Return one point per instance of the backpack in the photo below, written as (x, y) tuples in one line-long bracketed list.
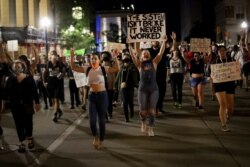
[(104, 74)]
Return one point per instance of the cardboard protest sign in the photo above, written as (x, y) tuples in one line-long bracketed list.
[(80, 79), (114, 45), (225, 72), (200, 45), (146, 27)]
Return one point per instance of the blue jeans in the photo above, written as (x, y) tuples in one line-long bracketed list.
[(98, 104)]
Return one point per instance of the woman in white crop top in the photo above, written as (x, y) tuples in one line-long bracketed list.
[(98, 98)]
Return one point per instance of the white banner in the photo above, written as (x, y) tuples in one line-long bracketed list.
[(146, 27), (80, 79), (12, 45), (225, 72)]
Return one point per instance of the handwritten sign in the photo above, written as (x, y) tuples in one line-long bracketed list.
[(114, 45), (80, 79), (146, 27), (200, 45), (225, 72)]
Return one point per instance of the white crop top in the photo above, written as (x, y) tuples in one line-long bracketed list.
[(95, 76)]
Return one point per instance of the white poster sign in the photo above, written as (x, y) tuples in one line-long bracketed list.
[(146, 27), (225, 72), (80, 79), (12, 45)]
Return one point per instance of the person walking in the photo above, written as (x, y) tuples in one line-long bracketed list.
[(197, 77), (98, 97), (21, 91), (52, 75), (148, 92), (224, 91), (176, 68), (126, 81)]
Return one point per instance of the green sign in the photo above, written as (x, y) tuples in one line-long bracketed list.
[(80, 52)]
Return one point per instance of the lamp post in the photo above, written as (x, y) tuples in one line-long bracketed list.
[(45, 22), (244, 25)]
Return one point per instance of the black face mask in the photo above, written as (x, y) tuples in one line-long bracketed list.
[(126, 60), (105, 58)]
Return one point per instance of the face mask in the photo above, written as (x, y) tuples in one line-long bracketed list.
[(17, 70), (126, 60), (105, 58)]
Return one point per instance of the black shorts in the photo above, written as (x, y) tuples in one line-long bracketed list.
[(228, 87), (54, 93)]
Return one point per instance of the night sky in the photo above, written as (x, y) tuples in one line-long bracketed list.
[(148, 6)]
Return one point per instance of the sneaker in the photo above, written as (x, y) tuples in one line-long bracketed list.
[(175, 104), (224, 128), (55, 117), (179, 106), (21, 148), (196, 104), (84, 107), (114, 104), (151, 132), (31, 144), (143, 127), (60, 113)]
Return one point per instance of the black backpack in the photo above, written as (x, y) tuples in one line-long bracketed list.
[(104, 74)]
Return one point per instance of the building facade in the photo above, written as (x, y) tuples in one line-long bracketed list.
[(229, 16), (20, 20)]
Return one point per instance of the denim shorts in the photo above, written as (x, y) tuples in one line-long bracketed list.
[(194, 82)]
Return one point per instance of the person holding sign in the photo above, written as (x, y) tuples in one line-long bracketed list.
[(224, 91), (148, 92), (98, 97)]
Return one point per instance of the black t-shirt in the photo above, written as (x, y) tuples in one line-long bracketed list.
[(53, 72), (197, 68)]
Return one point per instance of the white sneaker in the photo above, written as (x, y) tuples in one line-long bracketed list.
[(143, 127), (151, 131), (224, 128)]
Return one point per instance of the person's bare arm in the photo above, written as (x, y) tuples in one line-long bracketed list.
[(73, 66), (134, 57)]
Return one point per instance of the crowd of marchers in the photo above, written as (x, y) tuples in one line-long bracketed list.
[(113, 76)]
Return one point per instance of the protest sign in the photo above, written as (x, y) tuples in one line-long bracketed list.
[(146, 27), (80, 79), (12, 45), (114, 45), (225, 72), (200, 45)]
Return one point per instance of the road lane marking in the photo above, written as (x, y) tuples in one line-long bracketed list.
[(54, 145)]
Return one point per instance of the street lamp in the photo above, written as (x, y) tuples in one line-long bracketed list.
[(244, 24), (45, 22)]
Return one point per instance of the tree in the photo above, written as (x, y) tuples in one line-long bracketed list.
[(76, 37)]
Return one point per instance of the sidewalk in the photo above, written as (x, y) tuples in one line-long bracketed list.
[(183, 137)]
